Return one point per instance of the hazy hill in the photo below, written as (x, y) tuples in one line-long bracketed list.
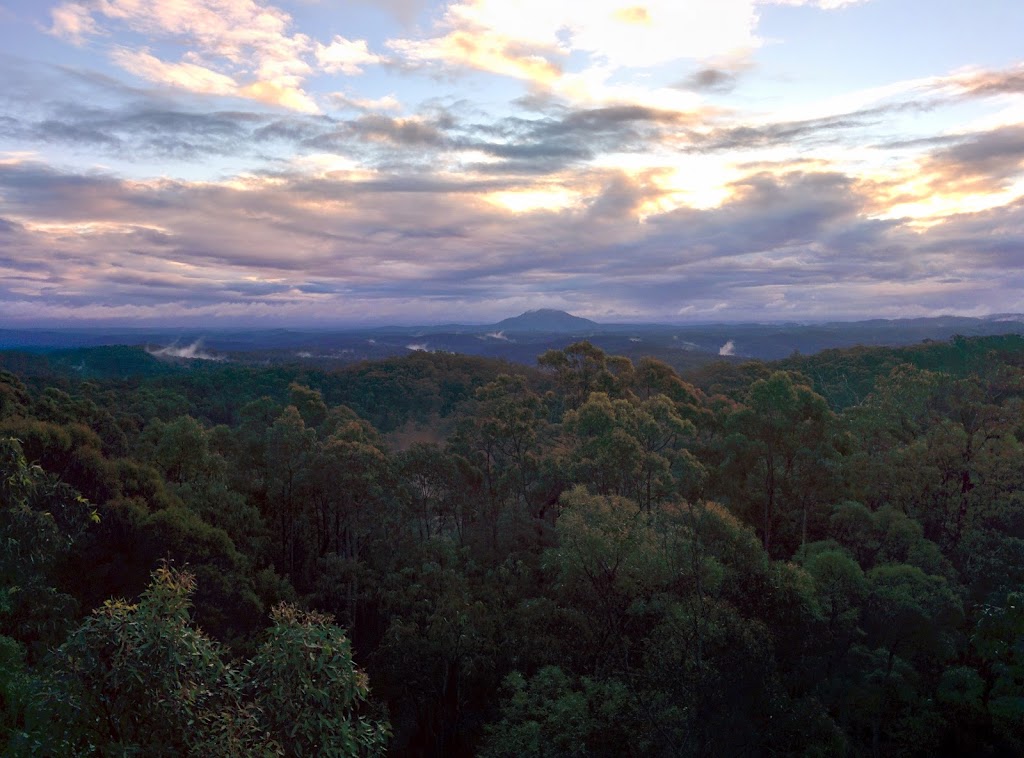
[(547, 320)]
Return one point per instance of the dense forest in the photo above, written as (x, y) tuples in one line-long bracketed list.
[(441, 555)]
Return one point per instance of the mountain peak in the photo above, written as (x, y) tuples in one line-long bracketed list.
[(546, 320)]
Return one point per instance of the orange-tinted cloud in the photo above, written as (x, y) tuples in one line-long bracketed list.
[(238, 47)]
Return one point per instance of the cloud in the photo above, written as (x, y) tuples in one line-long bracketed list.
[(142, 127), (779, 246), (822, 4), (532, 40), (486, 50), (283, 95), (344, 101), (596, 52), (710, 80), (748, 137), (964, 173), (991, 158), (570, 136), (404, 210), (188, 76), (400, 131), (238, 47), (345, 56), (985, 83), (74, 22)]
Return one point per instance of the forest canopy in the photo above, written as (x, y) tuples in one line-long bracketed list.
[(441, 555)]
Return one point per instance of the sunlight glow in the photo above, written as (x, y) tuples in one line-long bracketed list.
[(526, 201)]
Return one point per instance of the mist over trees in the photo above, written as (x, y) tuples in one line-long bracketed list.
[(441, 555)]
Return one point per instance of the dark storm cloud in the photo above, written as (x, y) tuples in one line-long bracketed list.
[(620, 198), (715, 80), (828, 130), (153, 132), (530, 146), (993, 157), (780, 242), (320, 288), (52, 130), (609, 120), (93, 111), (992, 239), (37, 189), (565, 136), (290, 130), (939, 141), (768, 213), (373, 128)]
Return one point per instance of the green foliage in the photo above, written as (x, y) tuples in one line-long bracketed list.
[(821, 556), (14, 397), (841, 588), (606, 562), (15, 693), (780, 456), (310, 404), (911, 612), (548, 716), (998, 639), (580, 369), (40, 519), (309, 690), (133, 678), (140, 679), (632, 449)]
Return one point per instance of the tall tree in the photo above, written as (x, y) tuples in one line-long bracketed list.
[(780, 454)]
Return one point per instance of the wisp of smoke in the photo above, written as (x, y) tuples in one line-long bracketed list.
[(190, 351), (729, 348)]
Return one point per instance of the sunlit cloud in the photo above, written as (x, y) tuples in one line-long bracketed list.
[(238, 47), (522, 201), (74, 22), (487, 50), (386, 103), (823, 4), (532, 40), (976, 172), (259, 159), (273, 93), (345, 56), (774, 244), (188, 76)]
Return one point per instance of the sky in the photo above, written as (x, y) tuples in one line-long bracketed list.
[(344, 162)]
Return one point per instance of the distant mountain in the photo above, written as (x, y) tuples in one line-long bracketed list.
[(546, 320)]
